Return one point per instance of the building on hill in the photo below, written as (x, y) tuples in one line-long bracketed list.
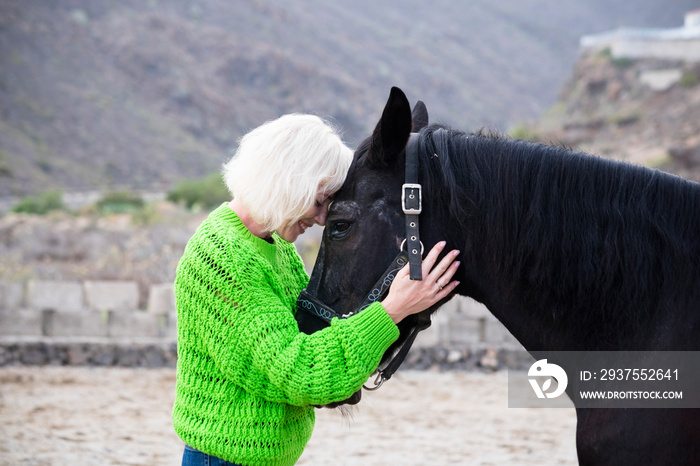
[(682, 43)]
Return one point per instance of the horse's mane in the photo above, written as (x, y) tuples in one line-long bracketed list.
[(568, 227)]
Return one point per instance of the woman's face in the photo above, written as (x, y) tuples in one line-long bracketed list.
[(315, 215)]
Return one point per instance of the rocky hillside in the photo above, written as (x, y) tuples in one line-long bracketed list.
[(94, 94), (142, 93), (615, 108), (645, 111)]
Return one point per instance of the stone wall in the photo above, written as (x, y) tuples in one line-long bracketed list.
[(100, 323), (90, 309), (87, 352)]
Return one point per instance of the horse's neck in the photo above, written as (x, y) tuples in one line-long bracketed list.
[(562, 265), (490, 241)]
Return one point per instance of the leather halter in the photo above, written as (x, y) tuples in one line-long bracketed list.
[(412, 205)]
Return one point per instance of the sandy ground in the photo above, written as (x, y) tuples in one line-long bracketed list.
[(109, 416)]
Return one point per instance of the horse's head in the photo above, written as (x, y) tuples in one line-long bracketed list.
[(365, 225)]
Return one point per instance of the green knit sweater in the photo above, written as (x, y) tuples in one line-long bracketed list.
[(246, 376)]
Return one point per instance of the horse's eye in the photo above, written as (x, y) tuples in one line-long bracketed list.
[(339, 228)]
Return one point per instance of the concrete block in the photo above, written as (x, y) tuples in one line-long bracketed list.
[(463, 332), (161, 298), (74, 324), (452, 306), (56, 295), (473, 309), (130, 324), (11, 295), (428, 337), (433, 335), (168, 330), (20, 322), (495, 332), (112, 295)]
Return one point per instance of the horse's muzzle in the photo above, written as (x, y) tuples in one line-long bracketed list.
[(353, 400)]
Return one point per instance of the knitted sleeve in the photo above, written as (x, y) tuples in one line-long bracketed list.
[(285, 365), (243, 314)]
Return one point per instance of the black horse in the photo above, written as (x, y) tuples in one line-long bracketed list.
[(571, 252)]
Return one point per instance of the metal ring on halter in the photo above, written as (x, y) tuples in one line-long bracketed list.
[(377, 382), (422, 249)]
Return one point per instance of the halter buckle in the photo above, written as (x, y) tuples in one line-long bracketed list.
[(412, 198)]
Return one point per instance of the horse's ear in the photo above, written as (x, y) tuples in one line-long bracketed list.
[(391, 133), (419, 116)]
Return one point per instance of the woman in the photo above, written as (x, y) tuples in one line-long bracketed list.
[(246, 376)]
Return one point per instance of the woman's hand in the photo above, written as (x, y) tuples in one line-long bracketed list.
[(408, 296)]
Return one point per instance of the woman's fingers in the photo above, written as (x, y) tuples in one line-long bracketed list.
[(445, 291), (432, 273), (432, 256), (443, 269), (445, 286), (442, 275)]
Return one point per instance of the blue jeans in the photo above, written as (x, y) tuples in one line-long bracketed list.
[(192, 457)]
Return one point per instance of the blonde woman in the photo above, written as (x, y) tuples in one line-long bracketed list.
[(247, 378)]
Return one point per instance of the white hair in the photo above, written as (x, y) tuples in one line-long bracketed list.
[(280, 166)]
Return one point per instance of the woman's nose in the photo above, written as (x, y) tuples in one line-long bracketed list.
[(320, 218)]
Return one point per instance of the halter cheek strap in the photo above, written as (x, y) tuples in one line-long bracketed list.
[(412, 205)]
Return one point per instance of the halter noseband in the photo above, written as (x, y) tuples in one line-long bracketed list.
[(412, 205)]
